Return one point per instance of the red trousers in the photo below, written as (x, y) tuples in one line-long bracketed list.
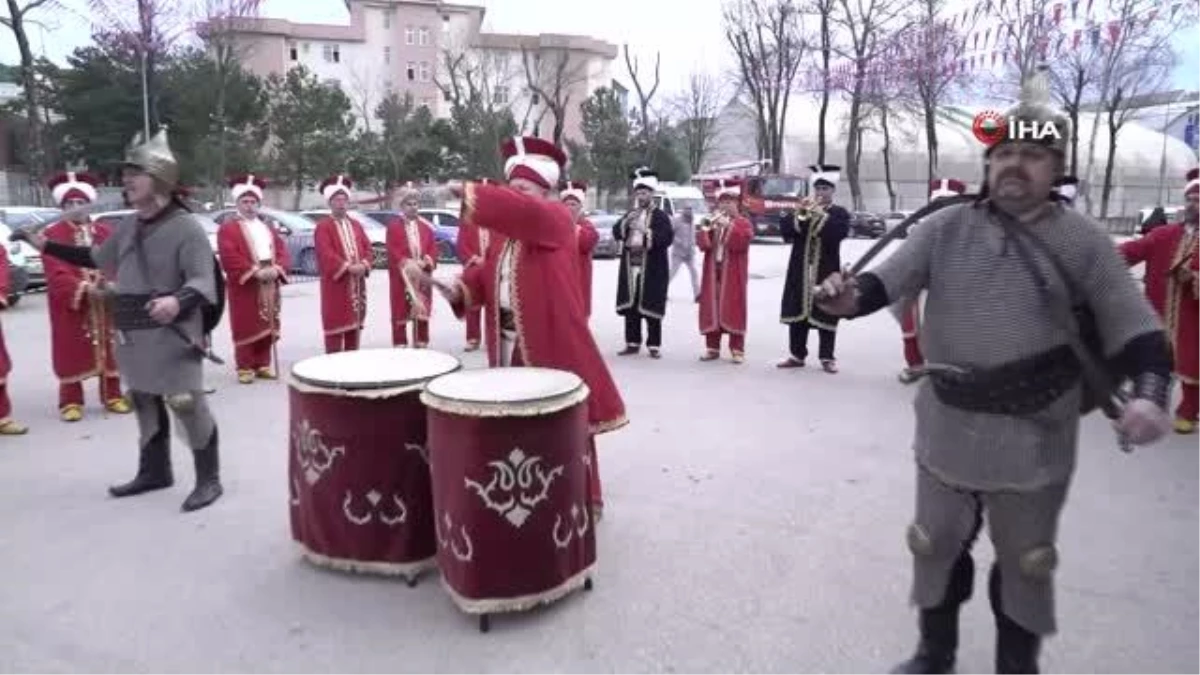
[(737, 343), (1189, 407), (912, 352), (5, 403), (473, 325), (71, 393), (591, 461), (400, 333), (254, 355), (342, 342)]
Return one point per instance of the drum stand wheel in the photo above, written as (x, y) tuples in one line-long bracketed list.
[(412, 581), (587, 584), (485, 623)]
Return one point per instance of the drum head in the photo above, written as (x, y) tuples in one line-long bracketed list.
[(374, 368), (504, 385)]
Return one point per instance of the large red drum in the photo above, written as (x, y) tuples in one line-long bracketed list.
[(361, 498), (507, 448)]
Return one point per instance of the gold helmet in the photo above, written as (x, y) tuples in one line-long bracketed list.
[(154, 157), (1035, 117)]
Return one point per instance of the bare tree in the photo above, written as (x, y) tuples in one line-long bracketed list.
[(1024, 29), (1073, 77), (697, 107), (364, 92), (865, 23), (219, 29), (18, 15), (766, 39), (822, 51), (553, 76), (645, 97), (927, 54)]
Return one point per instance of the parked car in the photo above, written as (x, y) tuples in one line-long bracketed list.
[(375, 230), (445, 229), (606, 245), (296, 231), (111, 218), (865, 225), (894, 218), (18, 266), (22, 256)]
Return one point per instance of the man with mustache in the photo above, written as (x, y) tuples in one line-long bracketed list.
[(997, 428), (1169, 252)]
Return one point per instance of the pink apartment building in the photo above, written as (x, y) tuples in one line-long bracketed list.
[(404, 46)]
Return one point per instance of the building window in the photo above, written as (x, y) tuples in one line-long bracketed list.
[(409, 35), (500, 95), (423, 37), (427, 102), (387, 54), (294, 53), (307, 45), (425, 76), (411, 71), (387, 19), (534, 99), (387, 86), (331, 53), (445, 23)]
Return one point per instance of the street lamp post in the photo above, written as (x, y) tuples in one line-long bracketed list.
[(1162, 162), (145, 97)]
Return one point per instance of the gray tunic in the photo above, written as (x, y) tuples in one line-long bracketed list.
[(683, 247), (157, 361), (983, 309)]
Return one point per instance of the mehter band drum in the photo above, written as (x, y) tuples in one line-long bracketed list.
[(514, 522), (361, 498)]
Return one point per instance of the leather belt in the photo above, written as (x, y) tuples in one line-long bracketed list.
[(1019, 387), (130, 313)]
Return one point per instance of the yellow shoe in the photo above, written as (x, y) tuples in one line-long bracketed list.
[(738, 357), (265, 374), (245, 376), (119, 406), (10, 428), (71, 412), (1183, 426)]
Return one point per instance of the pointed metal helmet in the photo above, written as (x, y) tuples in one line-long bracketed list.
[(1036, 110), (154, 157)]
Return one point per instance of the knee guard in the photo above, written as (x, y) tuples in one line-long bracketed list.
[(181, 403), (1039, 563)]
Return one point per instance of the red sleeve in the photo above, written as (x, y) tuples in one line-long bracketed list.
[(428, 244), (239, 268), (588, 237), (64, 281), (703, 239), (283, 258), (1136, 251), (3, 277), (533, 220), (740, 236), (329, 251), (466, 245), (365, 251)]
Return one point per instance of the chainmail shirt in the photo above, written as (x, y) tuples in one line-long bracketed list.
[(984, 309)]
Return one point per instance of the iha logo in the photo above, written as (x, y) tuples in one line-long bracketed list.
[(990, 127)]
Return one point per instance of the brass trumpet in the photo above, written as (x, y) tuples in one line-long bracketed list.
[(711, 222), (811, 212)]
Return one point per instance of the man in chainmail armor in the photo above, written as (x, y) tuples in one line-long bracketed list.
[(165, 277), (997, 416)]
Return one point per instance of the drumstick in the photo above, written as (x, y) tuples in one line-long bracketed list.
[(413, 278)]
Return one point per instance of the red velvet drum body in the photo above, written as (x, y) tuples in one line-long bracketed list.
[(507, 448), (361, 497)]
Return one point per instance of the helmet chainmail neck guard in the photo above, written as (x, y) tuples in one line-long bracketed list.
[(1036, 112), (154, 157)]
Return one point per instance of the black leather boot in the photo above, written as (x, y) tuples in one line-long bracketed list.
[(208, 476), (1017, 649), (938, 647), (154, 460)]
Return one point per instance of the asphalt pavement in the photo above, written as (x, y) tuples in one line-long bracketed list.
[(754, 522)]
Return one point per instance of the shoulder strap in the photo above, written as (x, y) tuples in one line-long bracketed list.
[(1062, 310)]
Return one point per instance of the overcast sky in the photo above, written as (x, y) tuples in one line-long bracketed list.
[(647, 25)]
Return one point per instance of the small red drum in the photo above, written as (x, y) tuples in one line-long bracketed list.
[(510, 489), (361, 498)]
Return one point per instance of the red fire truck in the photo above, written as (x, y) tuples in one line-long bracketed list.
[(766, 197)]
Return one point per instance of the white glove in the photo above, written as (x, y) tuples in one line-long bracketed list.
[(1143, 422)]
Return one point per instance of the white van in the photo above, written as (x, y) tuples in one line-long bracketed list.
[(672, 198)]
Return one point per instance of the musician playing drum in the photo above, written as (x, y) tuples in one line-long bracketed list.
[(529, 289)]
